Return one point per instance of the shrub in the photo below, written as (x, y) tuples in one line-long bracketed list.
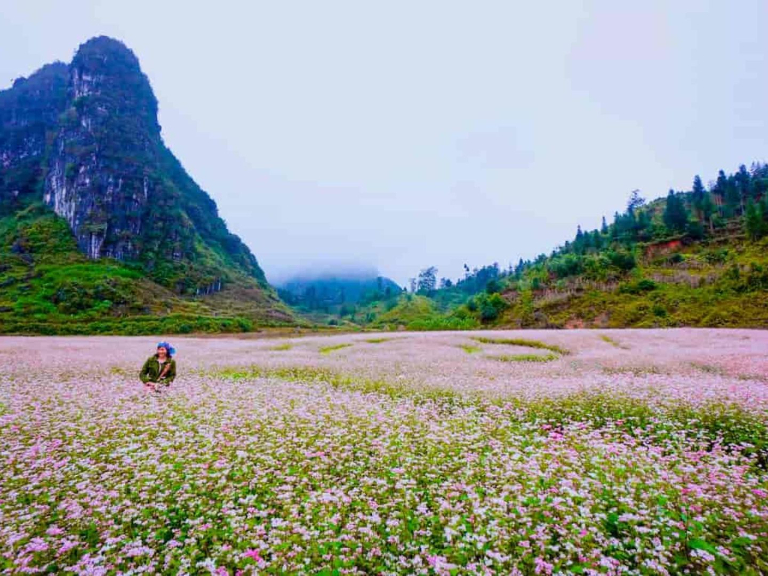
[(624, 261), (641, 286), (566, 265), (659, 310)]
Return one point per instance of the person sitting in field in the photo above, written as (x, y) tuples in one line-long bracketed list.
[(159, 369)]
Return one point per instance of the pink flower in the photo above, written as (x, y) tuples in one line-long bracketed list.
[(253, 554), (37, 545), (66, 546), (543, 567)]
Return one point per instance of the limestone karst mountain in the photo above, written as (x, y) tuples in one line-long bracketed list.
[(81, 144)]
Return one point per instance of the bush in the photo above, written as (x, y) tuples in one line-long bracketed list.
[(639, 287), (676, 258), (493, 286), (490, 307), (624, 261), (566, 265), (717, 257), (695, 230)]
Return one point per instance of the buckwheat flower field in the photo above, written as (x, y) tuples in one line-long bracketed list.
[(586, 452)]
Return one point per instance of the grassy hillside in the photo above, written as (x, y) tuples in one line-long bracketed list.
[(697, 258), (47, 286), (699, 285), (720, 282)]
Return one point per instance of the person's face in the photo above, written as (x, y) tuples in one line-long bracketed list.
[(162, 352)]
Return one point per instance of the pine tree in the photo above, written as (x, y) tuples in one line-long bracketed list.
[(675, 214), (698, 195), (743, 185), (597, 238), (643, 221), (615, 230), (732, 197), (604, 227), (635, 201), (707, 211), (578, 242), (764, 209), (753, 221), (719, 190)]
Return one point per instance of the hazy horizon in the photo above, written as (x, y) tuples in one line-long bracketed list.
[(401, 136)]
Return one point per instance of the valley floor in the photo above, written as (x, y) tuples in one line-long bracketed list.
[(594, 452)]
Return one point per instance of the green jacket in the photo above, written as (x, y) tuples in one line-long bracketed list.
[(151, 370)]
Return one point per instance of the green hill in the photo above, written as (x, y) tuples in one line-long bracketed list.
[(694, 258)]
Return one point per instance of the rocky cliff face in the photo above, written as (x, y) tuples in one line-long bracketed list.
[(84, 139), (104, 153), (28, 113)]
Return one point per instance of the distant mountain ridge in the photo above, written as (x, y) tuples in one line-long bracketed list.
[(339, 292), (82, 141), (329, 288)]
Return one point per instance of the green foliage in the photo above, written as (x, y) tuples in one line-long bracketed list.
[(417, 312), (130, 326), (487, 307), (755, 221), (622, 260), (566, 265), (675, 214)]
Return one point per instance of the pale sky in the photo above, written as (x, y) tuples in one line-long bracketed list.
[(407, 134)]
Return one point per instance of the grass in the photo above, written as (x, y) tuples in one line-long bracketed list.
[(469, 349), (613, 342), (377, 340), (526, 357), (329, 349), (522, 342), (280, 347)]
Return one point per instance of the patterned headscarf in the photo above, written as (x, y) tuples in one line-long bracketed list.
[(170, 349)]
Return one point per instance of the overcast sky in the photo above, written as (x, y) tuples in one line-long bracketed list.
[(406, 134)]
